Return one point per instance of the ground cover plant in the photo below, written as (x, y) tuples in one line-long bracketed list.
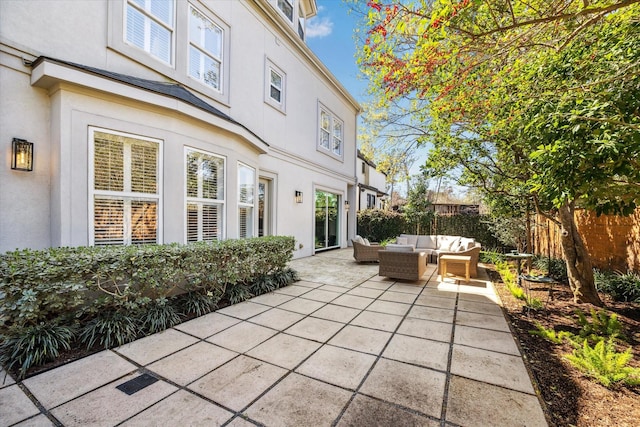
[(77, 300), (584, 359)]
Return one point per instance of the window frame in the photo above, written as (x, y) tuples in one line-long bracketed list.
[(269, 68), (125, 195), (291, 3), (242, 204), (203, 51), (201, 200), (149, 16), (333, 119)]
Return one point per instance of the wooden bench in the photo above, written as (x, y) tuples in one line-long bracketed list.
[(455, 259)]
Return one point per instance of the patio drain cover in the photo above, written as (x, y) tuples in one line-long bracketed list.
[(137, 384)]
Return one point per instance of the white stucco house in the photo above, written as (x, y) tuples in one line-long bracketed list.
[(371, 184), (171, 121)]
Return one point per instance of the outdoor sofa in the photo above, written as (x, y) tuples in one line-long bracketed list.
[(437, 245), (365, 251)]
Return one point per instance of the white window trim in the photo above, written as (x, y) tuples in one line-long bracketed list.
[(222, 77), (188, 199), (178, 71), (171, 28), (93, 192), (332, 118), (293, 11), (280, 106), (248, 205)]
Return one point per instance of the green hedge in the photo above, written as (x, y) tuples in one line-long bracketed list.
[(111, 295), (378, 225)]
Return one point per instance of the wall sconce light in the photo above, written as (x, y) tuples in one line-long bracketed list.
[(346, 205), (298, 196), (21, 155)]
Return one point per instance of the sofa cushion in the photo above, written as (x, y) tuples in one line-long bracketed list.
[(467, 243), (358, 239), (392, 247), (367, 242), (402, 241), (426, 242), (412, 239)]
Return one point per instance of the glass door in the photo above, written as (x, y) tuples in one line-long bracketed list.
[(264, 207), (327, 224)]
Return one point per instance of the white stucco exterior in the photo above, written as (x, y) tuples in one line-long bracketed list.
[(54, 92)]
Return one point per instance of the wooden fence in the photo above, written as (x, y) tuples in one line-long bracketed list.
[(612, 241)]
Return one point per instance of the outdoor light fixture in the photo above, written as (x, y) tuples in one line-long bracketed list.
[(346, 205), (21, 155), (298, 196)]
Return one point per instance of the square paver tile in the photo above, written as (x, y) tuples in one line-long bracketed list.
[(237, 383), (301, 305), (181, 408), (156, 346), (207, 325), (383, 284), (430, 300), (374, 320), (191, 363), (361, 339), (5, 379), (315, 329), (480, 307), (284, 350), (240, 422), (431, 313), (485, 297), (293, 290), (110, 406), (334, 288), (321, 295), (420, 328), (242, 337), (243, 310), (276, 319), (408, 288), (389, 307), (487, 339), (299, 401), (494, 368), (477, 320), (420, 389), (474, 403), (272, 299), (433, 291), (337, 313), (39, 421), (365, 411), (338, 366), (308, 284), (352, 301), (15, 406), (418, 351), (69, 381), (362, 291), (395, 296)]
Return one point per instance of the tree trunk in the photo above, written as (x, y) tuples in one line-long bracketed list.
[(579, 267)]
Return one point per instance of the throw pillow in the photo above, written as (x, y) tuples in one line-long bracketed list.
[(402, 241), (358, 239), (367, 242)]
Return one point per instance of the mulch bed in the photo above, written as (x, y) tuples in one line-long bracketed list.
[(570, 398)]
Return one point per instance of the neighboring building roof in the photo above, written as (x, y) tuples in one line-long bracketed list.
[(172, 90), (367, 161), (370, 188)]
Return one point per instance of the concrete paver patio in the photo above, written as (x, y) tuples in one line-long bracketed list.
[(343, 347)]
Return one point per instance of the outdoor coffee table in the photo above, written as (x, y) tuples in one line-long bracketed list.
[(455, 259)]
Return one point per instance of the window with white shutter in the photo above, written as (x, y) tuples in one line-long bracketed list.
[(205, 196), (150, 26), (246, 200), (125, 196)]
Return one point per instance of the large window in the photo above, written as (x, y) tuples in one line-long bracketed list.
[(205, 196), (246, 200), (331, 133), (150, 26), (125, 194), (205, 49)]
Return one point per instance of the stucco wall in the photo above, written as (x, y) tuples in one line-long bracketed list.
[(612, 241)]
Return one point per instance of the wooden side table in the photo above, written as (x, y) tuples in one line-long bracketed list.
[(455, 259)]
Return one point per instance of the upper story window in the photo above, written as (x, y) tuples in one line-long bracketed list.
[(286, 7), (301, 22), (150, 26), (205, 49), (124, 178), (331, 133), (275, 86)]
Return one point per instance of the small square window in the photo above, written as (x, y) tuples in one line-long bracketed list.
[(275, 86)]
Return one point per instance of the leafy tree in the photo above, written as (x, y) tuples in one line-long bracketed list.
[(536, 101)]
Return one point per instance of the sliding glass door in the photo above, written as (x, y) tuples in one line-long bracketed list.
[(327, 220)]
